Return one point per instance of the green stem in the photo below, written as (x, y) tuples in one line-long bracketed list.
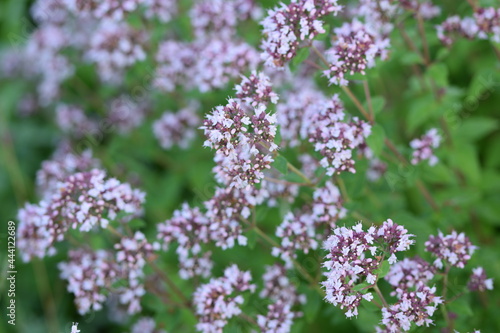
[(379, 293), (443, 305)]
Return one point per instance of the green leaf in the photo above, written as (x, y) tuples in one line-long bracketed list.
[(461, 307), (301, 55), (442, 53), (136, 224), (378, 103), (324, 36), (251, 238), (465, 158), (376, 139), (439, 73), (281, 164), (313, 305), (421, 110), (411, 58), (361, 287), (383, 269), (476, 128), (278, 138)]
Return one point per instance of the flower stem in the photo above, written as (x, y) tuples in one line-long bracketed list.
[(170, 284), (356, 102), (443, 305), (369, 100), (299, 267), (379, 293)]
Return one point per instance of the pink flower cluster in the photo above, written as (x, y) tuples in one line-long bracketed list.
[(485, 24), (177, 128), (454, 249), (146, 325), (354, 255), (114, 47), (354, 51), (81, 201), (226, 209), (202, 64), (220, 299), (220, 18), (91, 274), (256, 90), (478, 280), (283, 296), (309, 115), (243, 137), (412, 307), (190, 229), (416, 301), (423, 147), (63, 164), (288, 27)]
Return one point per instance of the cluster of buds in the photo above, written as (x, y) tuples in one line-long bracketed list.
[(219, 300), (378, 16), (290, 112), (354, 51), (43, 56), (423, 147), (454, 249), (354, 255), (279, 318), (278, 287), (177, 128), (287, 27), (277, 190), (91, 274)]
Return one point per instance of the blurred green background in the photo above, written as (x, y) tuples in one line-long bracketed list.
[(466, 182)]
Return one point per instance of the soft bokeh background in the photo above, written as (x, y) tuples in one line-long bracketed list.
[(466, 182)]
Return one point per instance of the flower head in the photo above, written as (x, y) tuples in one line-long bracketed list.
[(455, 249), (423, 147), (478, 280)]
